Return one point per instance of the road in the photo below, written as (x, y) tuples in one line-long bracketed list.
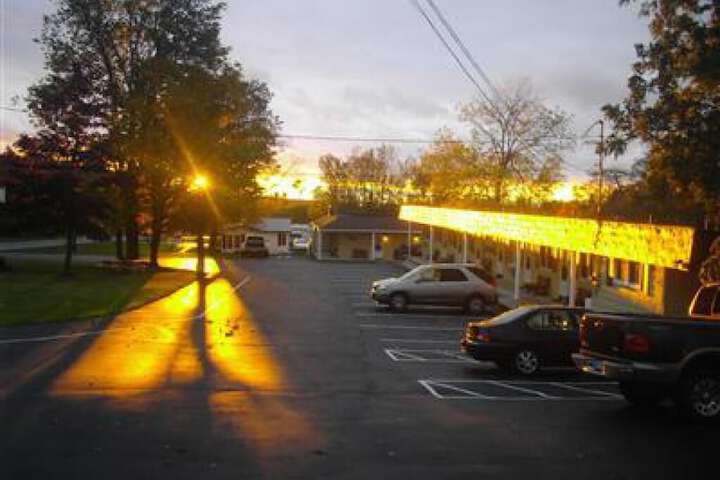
[(283, 369)]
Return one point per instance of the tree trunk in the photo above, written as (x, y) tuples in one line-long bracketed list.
[(119, 253), (155, 236), (200, 256), (213, 241), (69, 241), (132, 240)]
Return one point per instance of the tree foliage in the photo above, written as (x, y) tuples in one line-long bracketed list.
[(673, 102), (517, 139)]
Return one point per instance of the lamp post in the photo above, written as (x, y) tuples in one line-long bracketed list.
[(200, 185)]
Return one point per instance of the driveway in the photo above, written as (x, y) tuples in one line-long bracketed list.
[(282, 368)]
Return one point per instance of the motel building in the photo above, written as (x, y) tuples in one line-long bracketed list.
[(615, 266), (364, 238)]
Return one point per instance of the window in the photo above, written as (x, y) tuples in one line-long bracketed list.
[(451, 275), (617, 269), (633, 273), (481, 274), (552, 320), (282, 239), (704, 301)]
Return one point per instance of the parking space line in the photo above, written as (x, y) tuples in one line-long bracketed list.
[(590, 390), (416, 316), (433, 386), (364, 304), (425, 356), (521, 389), (429, 386)]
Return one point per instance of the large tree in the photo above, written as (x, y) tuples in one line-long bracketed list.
[(517, 138), (97, 53), (673, 103)]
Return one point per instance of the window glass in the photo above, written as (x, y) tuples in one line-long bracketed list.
[(481, 274), (451, 275), (553, 320), (704, 301)]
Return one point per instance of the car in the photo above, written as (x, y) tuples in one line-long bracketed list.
[(448, 284), (300, 244), (655, 357), (254, 246), (525, 339)]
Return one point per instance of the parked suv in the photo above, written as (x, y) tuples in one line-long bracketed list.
[(254, 246), (446, 284)]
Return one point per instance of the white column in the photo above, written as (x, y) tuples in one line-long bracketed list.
[(573, 279), (372, 246), (518, 270), (409, 241), (319, 244), (430, 257), (465, 251)]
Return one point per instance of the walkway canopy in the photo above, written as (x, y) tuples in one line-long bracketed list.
[(662, 245)]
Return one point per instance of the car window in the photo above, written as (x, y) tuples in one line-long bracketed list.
[(704, 301), (552, 320), (451, 275), (481, 274)]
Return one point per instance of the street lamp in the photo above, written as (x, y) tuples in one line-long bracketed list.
[(200, 184)]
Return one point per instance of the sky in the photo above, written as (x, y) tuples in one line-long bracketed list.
[(375, 68)]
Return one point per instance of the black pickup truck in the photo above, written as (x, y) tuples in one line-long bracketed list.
[(655, 357)]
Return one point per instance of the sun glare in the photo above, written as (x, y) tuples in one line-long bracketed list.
[(564, 192)]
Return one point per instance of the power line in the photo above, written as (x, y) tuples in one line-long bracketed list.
[(341, 138), (463, 48), (460, 64)]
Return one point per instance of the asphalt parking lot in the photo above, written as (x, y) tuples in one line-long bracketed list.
[(296, 374)]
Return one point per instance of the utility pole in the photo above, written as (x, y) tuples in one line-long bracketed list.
[(601, 167)]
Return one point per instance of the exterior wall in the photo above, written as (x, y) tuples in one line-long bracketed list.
[(231, 241), (358, 246)]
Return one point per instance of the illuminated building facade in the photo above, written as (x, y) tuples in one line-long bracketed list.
[(619, 265)]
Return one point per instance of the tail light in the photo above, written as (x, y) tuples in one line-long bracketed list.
[(636, 343), (482, 336)]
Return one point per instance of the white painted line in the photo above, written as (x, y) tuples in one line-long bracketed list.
[(412, 340), (521, 389), (417, 355), (409, 327), (364, 304), (399, 356), (466, 393), (584, 390)]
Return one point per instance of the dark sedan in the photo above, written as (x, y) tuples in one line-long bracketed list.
[(525, 339)]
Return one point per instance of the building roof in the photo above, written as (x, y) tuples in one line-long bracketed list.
[(274, 224), (668, 246), (266, 224), (361, 223)]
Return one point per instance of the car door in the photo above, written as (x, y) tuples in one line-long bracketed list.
[(542, 336), (425, 289), (567, 324), (454, 286)]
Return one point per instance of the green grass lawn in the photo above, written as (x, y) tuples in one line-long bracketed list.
[(35, 293)]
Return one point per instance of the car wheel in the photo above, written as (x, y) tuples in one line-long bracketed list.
[(398, 302), (699, 397), (526, 362), (475, 305), (641, 394)]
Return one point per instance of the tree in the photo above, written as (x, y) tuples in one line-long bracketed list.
[(710, 268), (447, 170), (517, 139), (56, 187), (98, 54), (673, 103), (215, 124)]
